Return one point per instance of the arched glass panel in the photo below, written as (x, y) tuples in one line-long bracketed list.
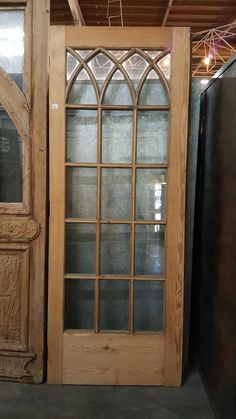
[(118, 91), (118, 53), (12, 44), (153, 92), (11, 160), (153, 54), (135, 67), (72, 63), (100, 66), (82, 91), (83, 52), (164, 65)]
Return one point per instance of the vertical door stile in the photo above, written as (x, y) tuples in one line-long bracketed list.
[(175, 240), (57, 203)]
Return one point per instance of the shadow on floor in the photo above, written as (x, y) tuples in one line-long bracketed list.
[(29, 401)]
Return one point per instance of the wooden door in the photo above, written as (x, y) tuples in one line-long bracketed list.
[(118, 140), (23, 187)]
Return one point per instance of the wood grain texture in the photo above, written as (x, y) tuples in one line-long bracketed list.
[(175, 232), (15, 229), (113, 359), (39, 190), (57, 194), (16, 366), (91, 37), (14, 279)]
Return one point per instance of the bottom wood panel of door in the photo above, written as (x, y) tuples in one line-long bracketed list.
[(113, 359)]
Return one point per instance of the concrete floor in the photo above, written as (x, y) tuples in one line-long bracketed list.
[(90, 402)]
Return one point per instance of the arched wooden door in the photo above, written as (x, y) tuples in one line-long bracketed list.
[(118, 140)]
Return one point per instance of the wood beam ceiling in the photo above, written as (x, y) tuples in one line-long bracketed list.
[(197, 14), (167, 13), (76, 12)]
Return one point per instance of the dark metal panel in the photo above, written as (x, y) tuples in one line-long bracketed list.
[(214, 266)]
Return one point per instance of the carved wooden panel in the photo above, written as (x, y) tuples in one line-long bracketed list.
[(15, 229), (16, 365), (14, 278)]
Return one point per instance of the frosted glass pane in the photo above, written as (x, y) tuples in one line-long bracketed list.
[(114, 305), (164, 65), (118, 92), (12, 44), (82, 91), (152, 136), (148, 305), (72, 63), (118, 54), (100, 66), (79, 304), (153, 53), (115, 249), (135, 67), (150, 194), (82, 136), (81, 192), (116, 193), (80, 248), (117, 131), (11, 161), (149, 250), (83, 52), (153, 92)]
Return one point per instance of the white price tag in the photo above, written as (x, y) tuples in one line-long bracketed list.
[(54, 106)]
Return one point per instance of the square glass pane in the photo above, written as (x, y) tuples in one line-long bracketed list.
[(149, 249), (152, 136), (79, 304), (114, 304), (80, 248), (150, 194), (12, 44), (116, 192), (115, 249), (81, 192), (11, 161), (148, 305), (117, 128), (81, 136)]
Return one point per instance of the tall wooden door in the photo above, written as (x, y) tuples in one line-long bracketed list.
[(118, 139), (23, 156)]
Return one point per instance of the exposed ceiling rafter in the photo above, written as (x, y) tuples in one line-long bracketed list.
[(200, 15), (76, 12), (167, 12)]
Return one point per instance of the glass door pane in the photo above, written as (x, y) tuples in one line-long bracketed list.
[(116, 173), (11, 161)]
